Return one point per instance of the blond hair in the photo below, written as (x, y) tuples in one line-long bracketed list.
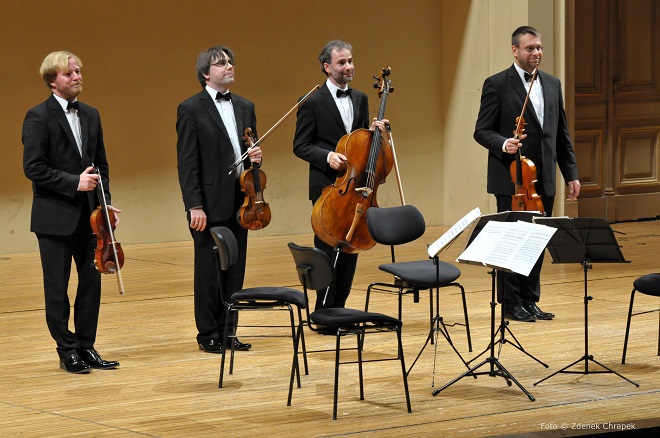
[(54, 62)]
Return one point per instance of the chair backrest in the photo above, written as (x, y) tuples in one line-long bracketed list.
[(226, 246), (395, 225), (313, 265)]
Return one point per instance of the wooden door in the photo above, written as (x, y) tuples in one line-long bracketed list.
[(617, 108)]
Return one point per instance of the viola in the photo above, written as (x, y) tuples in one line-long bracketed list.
[(254, 214), (338, 216), (108, 255), (523, 170)]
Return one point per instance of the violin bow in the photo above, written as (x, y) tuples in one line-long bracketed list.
[(263, 137)]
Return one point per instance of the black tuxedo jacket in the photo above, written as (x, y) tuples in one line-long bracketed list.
[(319, 128), (52, 162), (502, 100), (205, 153)]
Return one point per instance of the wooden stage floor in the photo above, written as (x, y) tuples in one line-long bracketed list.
[(166, 387)]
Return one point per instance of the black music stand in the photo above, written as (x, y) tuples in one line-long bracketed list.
[(584, 241), (496, 368)]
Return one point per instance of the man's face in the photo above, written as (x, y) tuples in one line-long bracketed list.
[(68, 84), (221, 73), (529, 52), (341, 69)]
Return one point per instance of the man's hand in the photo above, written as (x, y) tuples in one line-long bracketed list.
[(88, 180), (197, 219)]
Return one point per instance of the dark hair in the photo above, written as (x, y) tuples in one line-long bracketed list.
[(523, 30), (325, 57), (209, 56)]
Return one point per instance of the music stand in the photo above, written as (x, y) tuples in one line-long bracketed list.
[(584, 241), (496, 368)]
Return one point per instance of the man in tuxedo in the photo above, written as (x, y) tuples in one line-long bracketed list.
[(62, 138), (545, 142), (210, 126), (332, 112)]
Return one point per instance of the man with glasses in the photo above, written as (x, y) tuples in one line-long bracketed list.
[(545, 142), (210, 126)]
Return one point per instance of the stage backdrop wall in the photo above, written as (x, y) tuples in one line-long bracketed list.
[(139, 64)]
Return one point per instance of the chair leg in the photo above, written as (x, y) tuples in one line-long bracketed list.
[(293, 341), (403, 369), (360, 373), (225, 336), (294, 363), (338, 349), (625, 339), (467, 320), (302, 340)]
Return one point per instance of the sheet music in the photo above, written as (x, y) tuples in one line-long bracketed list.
[(452, 233), (514, 246)]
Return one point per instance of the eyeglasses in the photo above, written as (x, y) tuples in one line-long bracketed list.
[(224, 62), (531, 49)]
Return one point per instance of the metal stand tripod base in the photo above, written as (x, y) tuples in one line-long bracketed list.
[(503, 340), (496, 368), (438, 327), (586, 360), (587, 357)]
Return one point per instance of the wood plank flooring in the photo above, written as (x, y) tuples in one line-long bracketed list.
[(166, 387)]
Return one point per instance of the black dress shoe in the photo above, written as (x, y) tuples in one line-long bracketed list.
[(210, 346), (518, 313), (240, 346), (72, 363), (534, 310), (93, 359)]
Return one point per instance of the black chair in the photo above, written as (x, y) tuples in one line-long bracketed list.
[(315, 272), (648, 284), (403, 224), (255, 298)]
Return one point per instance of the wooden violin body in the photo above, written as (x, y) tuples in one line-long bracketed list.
[(338, 217), (104, 255), (254, 214), (523, 174), (108, 255)]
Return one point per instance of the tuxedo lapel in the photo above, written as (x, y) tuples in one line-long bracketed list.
[(209, 106), (356, 111), (84, 130), (329, 102), (521, 92), (56, 110)]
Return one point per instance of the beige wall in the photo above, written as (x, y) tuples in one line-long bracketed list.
[(139, 58)]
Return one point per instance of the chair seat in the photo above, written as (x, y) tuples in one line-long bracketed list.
[(284, 294), (339, 316), (648, 284), (423, 273)]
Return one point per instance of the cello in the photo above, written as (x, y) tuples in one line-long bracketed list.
[(523, 170), (338, 216), (254, 214), (108, 255)]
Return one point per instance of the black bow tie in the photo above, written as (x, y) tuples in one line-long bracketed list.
[(528, 77), (226, 96), (75, 105), (346, 92)]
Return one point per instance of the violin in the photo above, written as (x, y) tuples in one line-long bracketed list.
[(338, 216), (254, 214), (108, 256), (523, 170)]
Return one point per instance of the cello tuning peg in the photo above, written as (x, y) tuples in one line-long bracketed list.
[(376, 85), (391, 90)]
